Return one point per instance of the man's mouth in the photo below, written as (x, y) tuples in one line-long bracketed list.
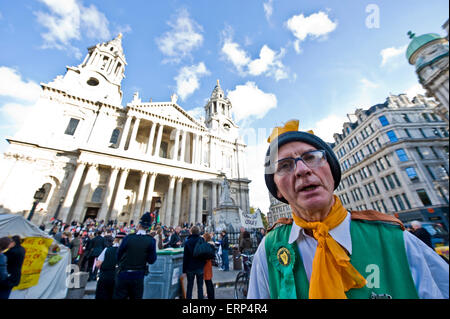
[(308, 188)]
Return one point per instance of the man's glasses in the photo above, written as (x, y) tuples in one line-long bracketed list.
[(312, 159)]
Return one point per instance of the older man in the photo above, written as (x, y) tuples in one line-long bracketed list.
[(326, 252)]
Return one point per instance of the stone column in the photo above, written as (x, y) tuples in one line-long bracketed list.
[(133, 143), (183, 146), (82, 199), (118, 201), (213, 196), (140, 197), (211, 153), (176, 145), (108, 194), (168, 212), (197, 151), (158, 140), (123, 138), (151, 138), (69, 198), (198, 217), (177, 211), (150, 189), (192, 210)]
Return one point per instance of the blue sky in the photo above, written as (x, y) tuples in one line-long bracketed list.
[(277, 60)]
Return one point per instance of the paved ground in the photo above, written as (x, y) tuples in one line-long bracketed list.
[(223, 283)]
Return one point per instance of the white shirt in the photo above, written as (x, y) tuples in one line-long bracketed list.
[(429, 271)]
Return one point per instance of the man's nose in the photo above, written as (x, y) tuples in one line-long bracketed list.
[(301, 168)]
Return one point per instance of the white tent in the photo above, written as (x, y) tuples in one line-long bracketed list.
[(52, 280)]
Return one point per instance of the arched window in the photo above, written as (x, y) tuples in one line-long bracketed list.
[(115, 136), (97, 195)]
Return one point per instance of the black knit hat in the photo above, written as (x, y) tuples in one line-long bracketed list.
[(146, 220), (299, 136)]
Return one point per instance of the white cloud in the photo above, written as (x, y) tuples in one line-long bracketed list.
[(21, 95), (317, 25), (269, 62), (414, 90), (183, 37), (367, 84), (197, 112), (268, 9), (12, 85), (236, 55), (389, 54), (258, 193), (188, 79), (65, 22), (326, 127), (250, 102)]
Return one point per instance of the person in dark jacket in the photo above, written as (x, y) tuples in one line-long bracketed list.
[(4, 275), (107, 264), (15, 255), (95, 248), (225, 250), (134, 254), (193, 267), (175, 239), (421, 233)]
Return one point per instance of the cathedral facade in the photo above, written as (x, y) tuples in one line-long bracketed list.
[(96, 158)]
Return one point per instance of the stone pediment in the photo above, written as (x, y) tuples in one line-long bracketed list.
[(169, 110)]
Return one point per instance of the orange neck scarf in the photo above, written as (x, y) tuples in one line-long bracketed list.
[(332, 273)]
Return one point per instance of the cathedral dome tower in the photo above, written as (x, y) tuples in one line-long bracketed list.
[(218, 113), (100, 75)]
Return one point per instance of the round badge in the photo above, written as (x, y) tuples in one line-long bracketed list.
[(284, 256)]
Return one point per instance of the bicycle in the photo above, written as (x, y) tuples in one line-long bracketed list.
[(243, 278)]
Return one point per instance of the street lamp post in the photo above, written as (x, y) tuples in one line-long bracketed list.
[(38, 196), (61, 200)]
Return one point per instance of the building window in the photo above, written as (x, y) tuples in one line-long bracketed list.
[(424, 197), (392, 137), (444, 132), (430, 172), (396, 180), (400, 202), (426, 117), (436, 132), (443, 195), (444, 171), (384, 183), (406, 200), (419, 152), (402, 155), (434, 152), (383, 120), (390, 181), (72, 126), (393, 204), (422, 132), (412, 174), (97, 195), (407, 133), (406, 118), (115, 136)]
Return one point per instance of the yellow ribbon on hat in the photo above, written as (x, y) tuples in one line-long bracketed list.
[(332, 273), (290, 126)]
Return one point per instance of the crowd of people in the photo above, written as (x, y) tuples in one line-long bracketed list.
[(95, 248)]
